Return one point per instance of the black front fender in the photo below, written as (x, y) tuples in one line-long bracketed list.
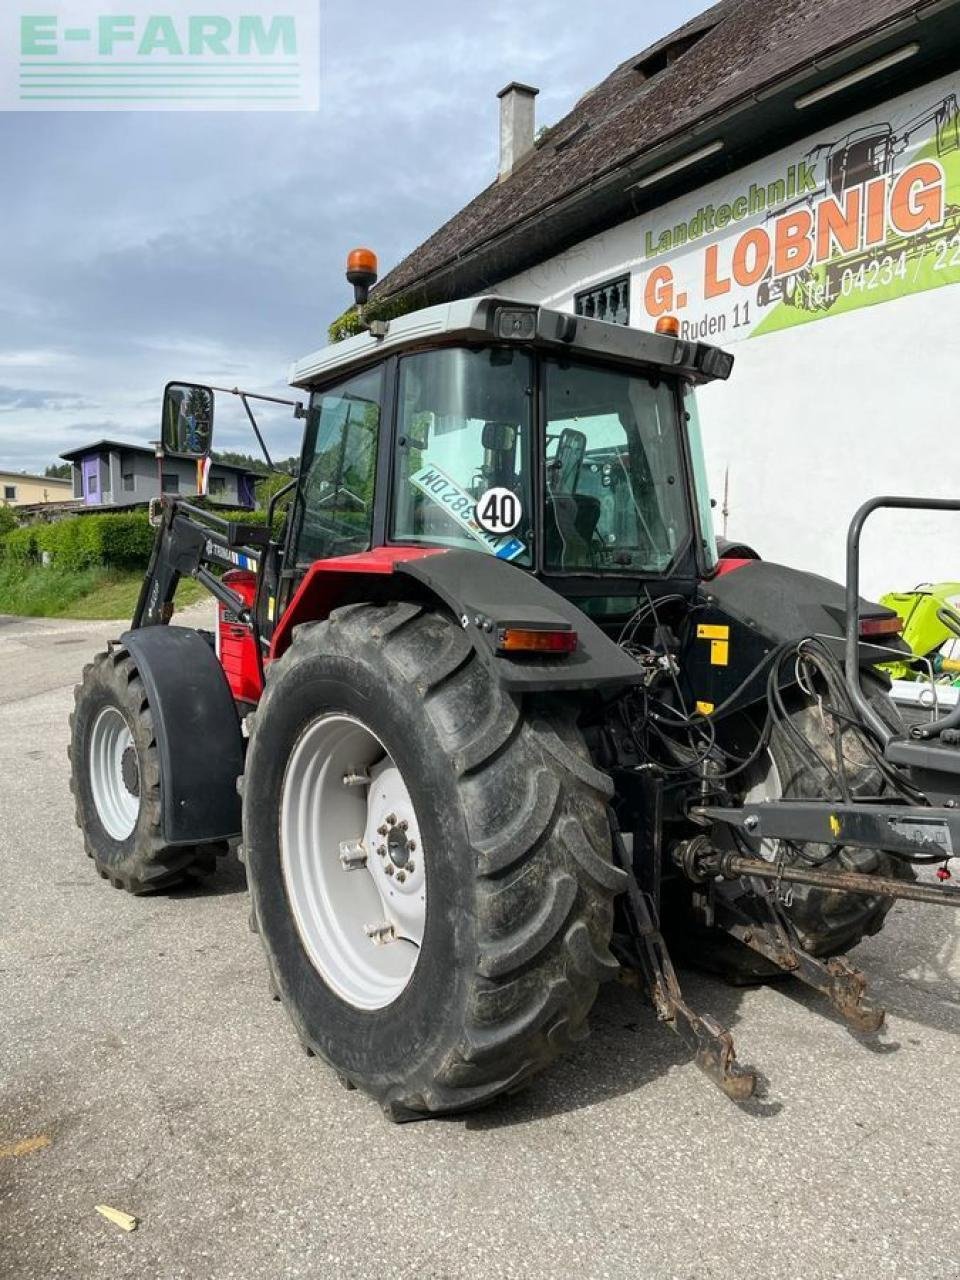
[(197, 729)]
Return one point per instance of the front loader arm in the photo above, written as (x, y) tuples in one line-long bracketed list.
[(188, 540)]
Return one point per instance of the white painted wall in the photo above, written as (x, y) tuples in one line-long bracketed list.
[(819, 417)]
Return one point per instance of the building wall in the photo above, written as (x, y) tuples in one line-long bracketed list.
[(32, 489), (846, 365), (126, 477)]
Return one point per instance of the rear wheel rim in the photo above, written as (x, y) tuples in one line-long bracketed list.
[(766, 786), (352, 861), (114, 773)]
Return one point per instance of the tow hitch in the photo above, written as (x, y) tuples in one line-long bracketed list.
[(758, 920)]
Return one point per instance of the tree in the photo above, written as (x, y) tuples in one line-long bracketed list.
[(59, 471)]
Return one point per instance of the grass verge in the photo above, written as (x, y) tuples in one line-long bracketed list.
[(38, 592)]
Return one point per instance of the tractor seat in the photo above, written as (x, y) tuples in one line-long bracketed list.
[(571, 522)]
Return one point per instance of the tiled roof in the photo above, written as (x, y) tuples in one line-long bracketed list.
[(724, 56)]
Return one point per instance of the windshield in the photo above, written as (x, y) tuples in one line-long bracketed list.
[(462, 470), (614, 478)]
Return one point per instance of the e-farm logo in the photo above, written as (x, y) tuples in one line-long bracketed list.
[(165, 55)]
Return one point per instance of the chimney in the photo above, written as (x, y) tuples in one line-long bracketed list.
[(517, 125)]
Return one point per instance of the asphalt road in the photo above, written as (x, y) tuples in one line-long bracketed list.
[(144, 1065)]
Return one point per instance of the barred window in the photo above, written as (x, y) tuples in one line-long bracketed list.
[(609, 301)]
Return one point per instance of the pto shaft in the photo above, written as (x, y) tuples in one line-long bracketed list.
[(706, 863)]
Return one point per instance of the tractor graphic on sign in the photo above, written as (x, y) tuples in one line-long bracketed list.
[(850, 161)]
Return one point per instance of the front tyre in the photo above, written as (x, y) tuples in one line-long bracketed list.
[(116, 781), (429, 860)]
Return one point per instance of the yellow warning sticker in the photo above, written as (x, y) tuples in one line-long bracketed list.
[(705, 708), (711, 631), (719, 653)]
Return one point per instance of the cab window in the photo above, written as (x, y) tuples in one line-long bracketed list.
[(615, 494), (338, 469), (462, 464)]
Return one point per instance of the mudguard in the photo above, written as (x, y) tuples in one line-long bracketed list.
[(728, 550), (746, 613), (197, 730), (486, 593), (784, 603)]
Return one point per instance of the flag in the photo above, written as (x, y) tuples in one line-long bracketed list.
[(203, 476)]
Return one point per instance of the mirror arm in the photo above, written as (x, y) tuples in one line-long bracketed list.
[(256, 432), (298, 412)]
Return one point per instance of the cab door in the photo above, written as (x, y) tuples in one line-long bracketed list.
[(334, 510)]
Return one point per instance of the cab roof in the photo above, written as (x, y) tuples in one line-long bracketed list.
[(495, 319)]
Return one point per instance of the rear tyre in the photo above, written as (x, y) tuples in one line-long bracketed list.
[(830, 922), (380, 728), (115, 780)]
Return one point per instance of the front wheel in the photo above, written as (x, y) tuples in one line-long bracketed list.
[(116, 781), (429, 860)]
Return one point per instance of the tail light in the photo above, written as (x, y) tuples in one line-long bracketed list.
[(872, 628), (530, 640)]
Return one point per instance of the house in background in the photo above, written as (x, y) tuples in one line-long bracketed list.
[(784, 179), (17, 489), (111, 473)]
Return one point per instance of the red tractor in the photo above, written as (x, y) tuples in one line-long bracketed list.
[(486, 707)]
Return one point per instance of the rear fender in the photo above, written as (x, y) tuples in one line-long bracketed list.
[(482, 592), (747, 612)]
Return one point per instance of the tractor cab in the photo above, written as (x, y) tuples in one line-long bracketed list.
[(564, 445)]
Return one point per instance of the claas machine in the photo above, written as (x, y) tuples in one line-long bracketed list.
[(491, 721)]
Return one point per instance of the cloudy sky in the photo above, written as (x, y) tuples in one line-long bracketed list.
[(139, 247)]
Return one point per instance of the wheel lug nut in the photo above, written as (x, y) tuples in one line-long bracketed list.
[(401, 876), (382, 850), (403, 825), (411, 844), (389, 868), (381, 831), (410, 868), (392, 819)]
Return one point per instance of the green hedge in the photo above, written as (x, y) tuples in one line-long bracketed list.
[(120, 541)]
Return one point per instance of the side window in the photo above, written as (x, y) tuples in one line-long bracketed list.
[(339, 466)]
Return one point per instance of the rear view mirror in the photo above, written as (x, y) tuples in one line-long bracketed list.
[(186, 428), (499, 437), (570, 452)]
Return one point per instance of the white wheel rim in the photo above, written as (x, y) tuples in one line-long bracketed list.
[(114, 773), (352, 861), (767, 786)]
